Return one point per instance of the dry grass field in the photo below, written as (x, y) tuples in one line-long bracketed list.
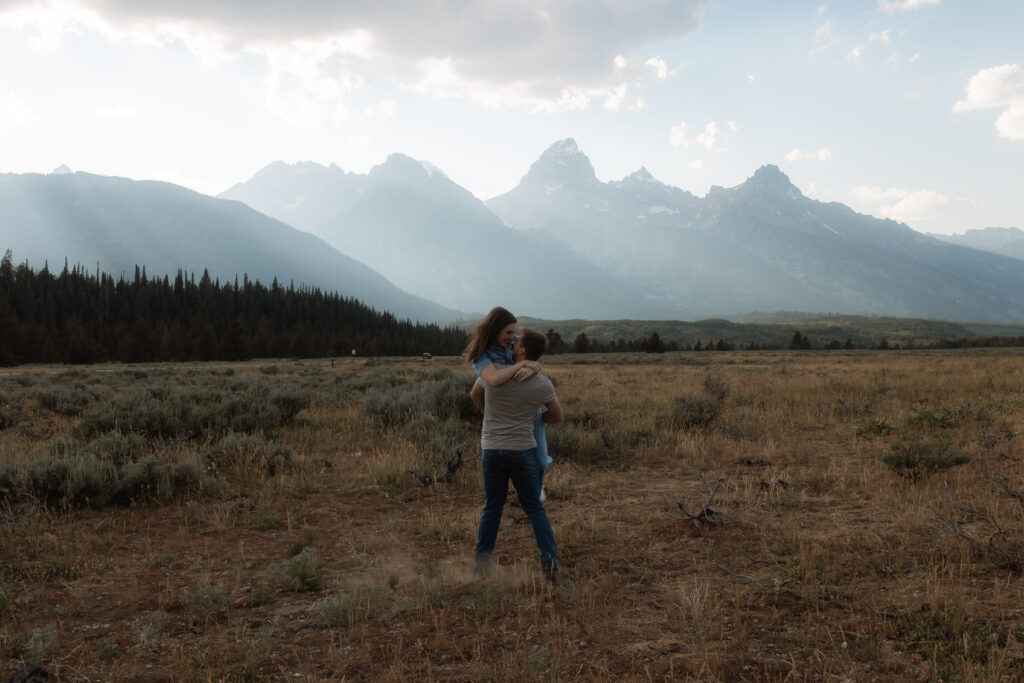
[(770, 516)]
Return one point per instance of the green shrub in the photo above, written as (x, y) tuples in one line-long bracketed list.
[(693, 413), (945, 635), (63, 400), (207, 600), (442, 394), (83, 480), (265, 519), (108, 649), (171, 412), (585, 447), (349, 608), (118, 446), (152, 627), (916, 460), (945, 417), (303, 573), (8, 416), (235, 449), (34, 643), (870, 427)]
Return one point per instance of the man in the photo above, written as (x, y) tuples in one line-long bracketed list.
[(509, 452)]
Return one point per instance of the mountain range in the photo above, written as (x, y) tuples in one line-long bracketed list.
[(635, 248), (115, 224), (1005, 241), (561, 244)]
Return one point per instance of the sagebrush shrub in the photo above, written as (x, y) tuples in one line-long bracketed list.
[(694, 413), (945, 417), (442, 394), (63, 400), (83, 480), (916, 460), (303, 573), (236, 449), (869, 427)]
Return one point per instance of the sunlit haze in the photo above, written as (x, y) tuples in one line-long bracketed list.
[(904, 109)]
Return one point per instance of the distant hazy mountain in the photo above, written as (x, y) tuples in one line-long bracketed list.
[(427, 234), (761, 245), (117, 223), (1005, 241), (561, 196)]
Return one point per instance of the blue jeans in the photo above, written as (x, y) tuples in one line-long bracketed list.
[(523, 469)]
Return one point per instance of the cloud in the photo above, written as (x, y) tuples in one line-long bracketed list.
[(823, 38), (620, 98), (751, 78), (696, 165), (904, 5), (897, 203), (995, 88), (823, 154), (534, 54), (709, 137), (882, 36), (854, 55), (659, 68), (678, 136)]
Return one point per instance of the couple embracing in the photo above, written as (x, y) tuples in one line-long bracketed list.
[(516, 401)]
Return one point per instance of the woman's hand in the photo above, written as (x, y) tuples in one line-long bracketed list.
[(527, 369)]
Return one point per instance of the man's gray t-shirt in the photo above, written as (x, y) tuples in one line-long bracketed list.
[(509, 412)]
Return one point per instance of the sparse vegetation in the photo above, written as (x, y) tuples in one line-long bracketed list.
[(720, 516)]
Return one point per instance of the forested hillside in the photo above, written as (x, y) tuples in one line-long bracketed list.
[(79, 317)]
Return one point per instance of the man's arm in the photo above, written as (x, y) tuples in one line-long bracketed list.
[(553, 413), (494, 375), (477, 395)]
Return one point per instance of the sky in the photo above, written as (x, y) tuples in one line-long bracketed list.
[(904, 109)]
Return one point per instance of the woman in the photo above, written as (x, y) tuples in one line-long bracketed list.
[(493, 344)]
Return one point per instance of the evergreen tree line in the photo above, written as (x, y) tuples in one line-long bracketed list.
[(581, 343), (80, 317)]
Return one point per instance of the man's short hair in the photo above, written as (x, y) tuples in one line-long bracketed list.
[(534, 343)]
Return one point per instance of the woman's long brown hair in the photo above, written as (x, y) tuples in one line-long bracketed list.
[(498, 319)]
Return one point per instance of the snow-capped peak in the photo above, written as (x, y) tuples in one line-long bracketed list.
[(562, 148)]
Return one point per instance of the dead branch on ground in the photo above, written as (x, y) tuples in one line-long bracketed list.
[(706, 515), (999, 546), (778, 586), (451, 466)]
